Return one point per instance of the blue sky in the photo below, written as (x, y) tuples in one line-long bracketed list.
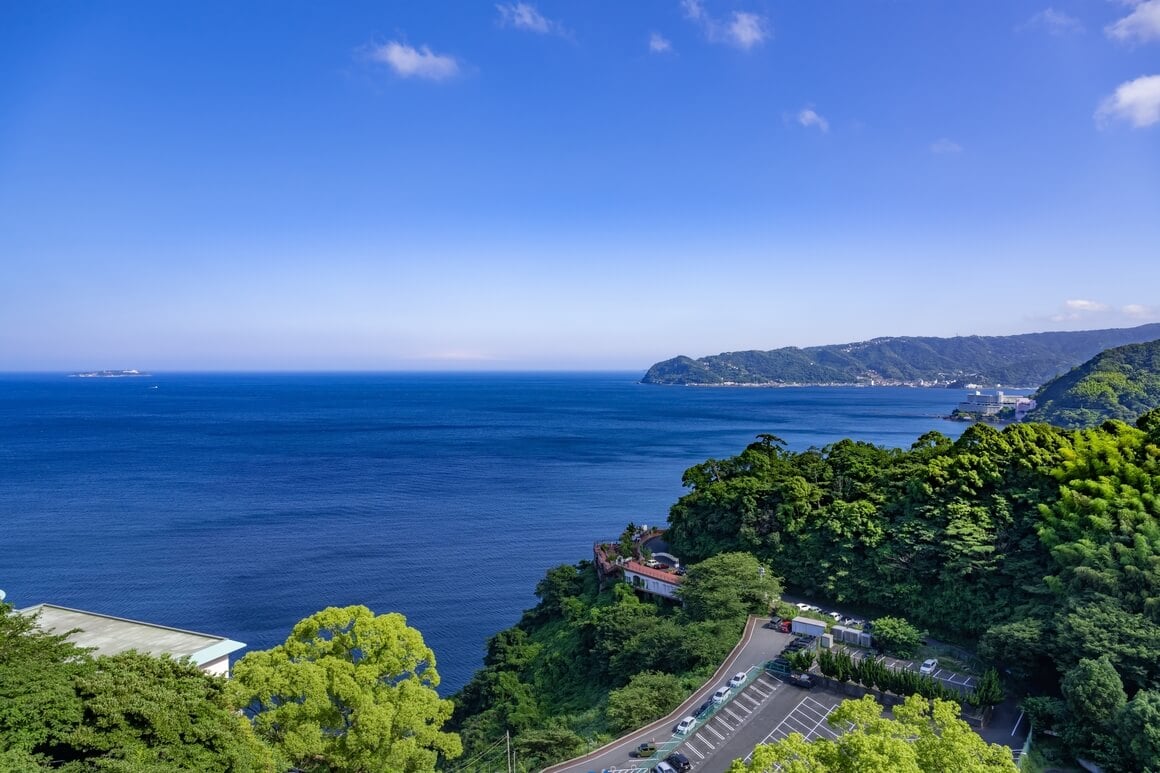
[(566, 185)]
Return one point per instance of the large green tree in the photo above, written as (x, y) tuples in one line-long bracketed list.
[(897, 636), (1137, 727), (923, 737), (152, 714), (729, 586), (1094, 695), (63, 710), (39, 706), (349, 691), (647, 696)]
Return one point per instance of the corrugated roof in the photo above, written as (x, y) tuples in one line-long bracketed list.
[(108, 635)]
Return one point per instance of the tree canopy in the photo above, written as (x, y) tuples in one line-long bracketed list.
[(923, 737), (729, 586), (348, 691), (62, 709)]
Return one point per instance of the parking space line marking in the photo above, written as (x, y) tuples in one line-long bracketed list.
[(751, 700), (694, 750), (706, 742), (719, 736), (736, 718)]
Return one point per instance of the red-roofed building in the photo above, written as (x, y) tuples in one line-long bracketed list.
[(651, 580)]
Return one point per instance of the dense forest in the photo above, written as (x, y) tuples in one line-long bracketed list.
[(348, 692), (1018, 360), (1036, 545), (1121, 383)]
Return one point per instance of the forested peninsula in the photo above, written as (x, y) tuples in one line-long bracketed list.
[(1026, 360), (1036, 546), (1121, 383)]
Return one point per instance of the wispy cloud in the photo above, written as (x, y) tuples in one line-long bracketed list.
[(1137, 102), (410, 62), (1078, 308), (659, 44), (747, 29), (1091, 312), (1140, 26), (1138, 311), (525, 16), (742, 29), (809, 117), (945, 145), (1054, 23)]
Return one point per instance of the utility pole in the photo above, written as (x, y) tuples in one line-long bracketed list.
[(507, 734)]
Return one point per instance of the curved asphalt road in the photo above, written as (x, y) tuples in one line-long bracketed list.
[(757, 645)]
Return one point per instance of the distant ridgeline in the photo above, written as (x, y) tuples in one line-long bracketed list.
[(1020, 360), (1121, 383)]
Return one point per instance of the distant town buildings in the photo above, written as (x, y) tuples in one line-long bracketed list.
[(978, 405)]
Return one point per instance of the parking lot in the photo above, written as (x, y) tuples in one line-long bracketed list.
[(808, 718), (942, 674), (711, 733), (704, 741)]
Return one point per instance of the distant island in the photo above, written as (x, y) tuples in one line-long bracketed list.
[(108, 374), (1027, 360)]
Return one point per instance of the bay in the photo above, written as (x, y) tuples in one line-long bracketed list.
[(236, 504)]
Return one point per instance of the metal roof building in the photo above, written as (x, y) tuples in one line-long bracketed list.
[(108, 635)]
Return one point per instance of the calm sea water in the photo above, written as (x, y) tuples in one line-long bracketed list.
[(238, 504)]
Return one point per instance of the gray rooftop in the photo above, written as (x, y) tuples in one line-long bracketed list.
[(109, 635)]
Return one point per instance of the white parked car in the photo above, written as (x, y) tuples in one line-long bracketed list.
[(685, 725), (837, 617), (664, 767), (804, 607), (721, 694), (928, 666), (738, 679)]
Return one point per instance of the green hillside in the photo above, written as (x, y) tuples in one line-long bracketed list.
[(1019, 360), (1037, 547), (1121, 383)]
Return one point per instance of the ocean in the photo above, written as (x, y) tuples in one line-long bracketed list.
[(237, 504)]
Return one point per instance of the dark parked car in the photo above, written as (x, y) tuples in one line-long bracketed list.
[(804, 681), (645, 750), (679, 762), (703, 710)]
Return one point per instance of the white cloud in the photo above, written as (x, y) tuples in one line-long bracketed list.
[(1137, 102), (659, 44), (1140, 26), (524, 16), (1076, 309), (1089, 312), (1083, 305), (1054, 22), (747, 30), (743, 29), (808, 117), (422, 62), (693, 9), (945, 145), (1138, 311)]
